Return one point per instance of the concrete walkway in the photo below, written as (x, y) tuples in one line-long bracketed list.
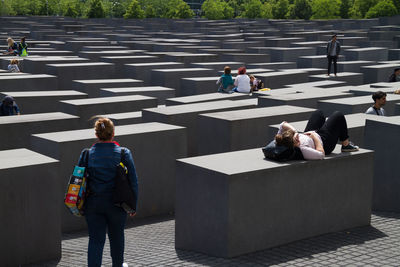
[(151, 243)]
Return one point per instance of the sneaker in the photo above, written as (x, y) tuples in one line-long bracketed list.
[(125, 264), (350, 147)]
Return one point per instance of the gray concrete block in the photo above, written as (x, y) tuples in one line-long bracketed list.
[(37, 65), (246, 57), (394, 54), (28, 82), (279, 79), (378, 73), (353, 66), (120, 61), (16, 130), (273, 65), (357, 104), (68, 72), (348, 77), (42, 101), (318, 84), (186, 115), (367, 53), (205, 98), (160, 92), (142, 71), (188, 58), (295, 200), (309, 99), (30, 216), (124, 118), (152, 144), (319, 61), (172, 77), (381, 135), (280, 54), (217, 66), (96, 55), (86, 108), (242, 129), (92, 87)]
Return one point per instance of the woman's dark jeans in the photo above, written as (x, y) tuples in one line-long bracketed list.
[(101, 216), (330, 130)]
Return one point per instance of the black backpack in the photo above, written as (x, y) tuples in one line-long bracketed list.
[(123, 195), (282, 153)]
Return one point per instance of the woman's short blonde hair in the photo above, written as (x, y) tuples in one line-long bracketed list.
[(10, 41), (104, 129), (14, 61)]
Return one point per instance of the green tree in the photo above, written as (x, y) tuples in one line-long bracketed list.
[(213, 9), (179, 9), (397, 5), (118, 8), (385, 8), (71, 12), (134, 11), (6, 8), (20, 7), (325, 9), (160, 7), (345, 9), (96, 9), (280, 9), (266, 11), (252, 9), (361, 7), (150, 12), (300, 9)]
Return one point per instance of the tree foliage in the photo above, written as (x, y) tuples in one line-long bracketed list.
[(96, 9), (382, 9), (326, 9), (211, 9), (134, 11)]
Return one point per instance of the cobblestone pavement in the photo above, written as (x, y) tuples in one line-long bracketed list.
[(151, 243)]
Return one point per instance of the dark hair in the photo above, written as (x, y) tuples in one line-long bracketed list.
[(396, 69), (378, 95), (8, 100), (227, 70), (242, 70), (104, 128), (333, 36), (285, 138), (23, 39)]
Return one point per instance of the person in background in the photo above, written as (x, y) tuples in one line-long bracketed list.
[(101, 215), (395, 77), (255, 84), (13, 66), (332, 53), (380, 100), (12, 47), (225, 81), (242, 81), (23, 48), (8, 107)]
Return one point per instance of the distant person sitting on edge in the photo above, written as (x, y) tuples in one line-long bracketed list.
[(255, 84), (12, 47), (395, 77), (8, 107), (242, 82), (23, 48), (13, 66), (380, 100), (332, 53), (225, 82)]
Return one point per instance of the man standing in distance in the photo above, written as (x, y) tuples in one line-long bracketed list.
[(332, 53)]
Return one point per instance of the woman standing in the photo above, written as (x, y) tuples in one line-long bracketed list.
[(101, 214)]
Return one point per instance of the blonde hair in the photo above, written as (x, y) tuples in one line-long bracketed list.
[(10, 41), (104, 129), (285, 138), (14, 61)]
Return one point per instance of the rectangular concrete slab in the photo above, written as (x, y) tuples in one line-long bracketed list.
[(252, 204), (160, 92), (30, 216)]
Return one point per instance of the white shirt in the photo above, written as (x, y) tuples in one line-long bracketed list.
[(242, 82), (307, 146)]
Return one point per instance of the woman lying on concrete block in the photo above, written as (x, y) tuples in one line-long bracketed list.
[(320, 136)]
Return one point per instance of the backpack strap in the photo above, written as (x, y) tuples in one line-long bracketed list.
[(376, 110), (123, 155)]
